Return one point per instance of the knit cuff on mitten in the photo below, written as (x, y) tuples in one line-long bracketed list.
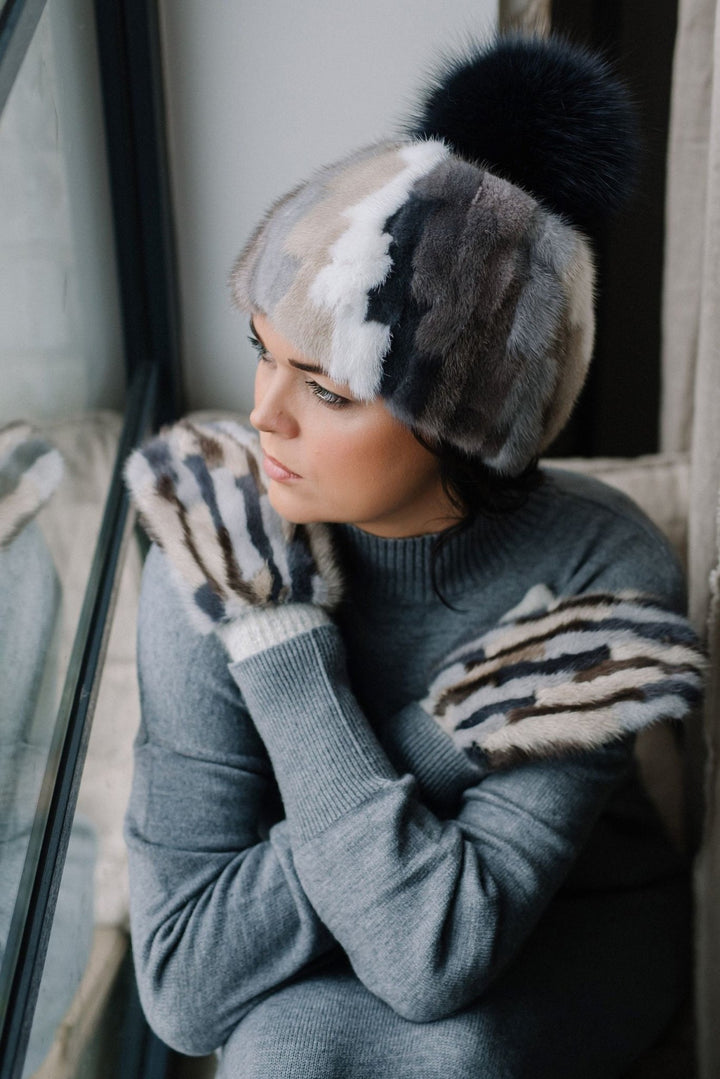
[(262, 627)]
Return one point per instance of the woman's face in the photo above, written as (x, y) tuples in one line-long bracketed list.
[(329, 457)]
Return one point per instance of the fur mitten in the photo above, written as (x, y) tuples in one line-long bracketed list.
[(582, 672), (201, 497), (30, 470)]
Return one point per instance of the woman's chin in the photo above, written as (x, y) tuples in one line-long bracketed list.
[(289, 507)]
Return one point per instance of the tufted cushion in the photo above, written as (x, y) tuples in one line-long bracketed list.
[(659, 483)]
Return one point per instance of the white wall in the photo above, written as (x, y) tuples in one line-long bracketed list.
[(260, 92), (60, 341)]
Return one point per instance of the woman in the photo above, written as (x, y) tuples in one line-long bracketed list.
[(385, 819)]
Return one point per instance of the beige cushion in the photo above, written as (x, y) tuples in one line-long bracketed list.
[(84, 1016), (659, 483)]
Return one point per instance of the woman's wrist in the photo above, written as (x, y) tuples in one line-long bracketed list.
[(325, 756)]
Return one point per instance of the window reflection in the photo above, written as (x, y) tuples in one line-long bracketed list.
[(62, 377), (30, 598)]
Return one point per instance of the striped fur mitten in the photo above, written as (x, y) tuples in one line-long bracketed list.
[(200, 495), (30, 470), (573, 676)]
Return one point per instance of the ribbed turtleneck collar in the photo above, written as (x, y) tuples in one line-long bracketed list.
[(401, 569)]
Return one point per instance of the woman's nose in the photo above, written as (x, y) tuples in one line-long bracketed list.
[(272, 412)]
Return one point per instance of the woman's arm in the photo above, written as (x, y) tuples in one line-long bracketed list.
[(221, 916), (429, 911), (218, 915)]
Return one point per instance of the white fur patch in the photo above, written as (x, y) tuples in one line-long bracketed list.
[(359, 262)]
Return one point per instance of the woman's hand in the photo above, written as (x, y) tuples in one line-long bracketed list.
[(201, 497)]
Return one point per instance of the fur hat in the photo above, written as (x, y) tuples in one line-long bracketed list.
[(447, 271)]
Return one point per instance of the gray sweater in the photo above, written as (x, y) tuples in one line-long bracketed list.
[(299, 824)]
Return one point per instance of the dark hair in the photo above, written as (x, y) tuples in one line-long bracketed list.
[(475, 491)]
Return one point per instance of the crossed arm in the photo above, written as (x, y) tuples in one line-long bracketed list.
[(428, 905)]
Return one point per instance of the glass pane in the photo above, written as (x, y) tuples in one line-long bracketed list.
[(69, 948), (62, 378), (81, 980)]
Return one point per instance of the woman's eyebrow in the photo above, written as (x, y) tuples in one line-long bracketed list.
[(313, 368), (253, 331)]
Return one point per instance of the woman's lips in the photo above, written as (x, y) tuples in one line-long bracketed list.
[(276, 471)]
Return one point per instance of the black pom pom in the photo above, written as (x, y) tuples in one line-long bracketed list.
[(544, 114)]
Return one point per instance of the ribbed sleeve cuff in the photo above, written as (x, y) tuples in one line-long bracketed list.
[(326, 758), (442, 770), (263, 627)]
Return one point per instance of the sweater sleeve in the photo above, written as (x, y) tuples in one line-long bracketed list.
[(428, 910), (219, 918)]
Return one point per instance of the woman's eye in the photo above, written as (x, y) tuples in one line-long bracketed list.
[(327, 396), (258, 346)]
